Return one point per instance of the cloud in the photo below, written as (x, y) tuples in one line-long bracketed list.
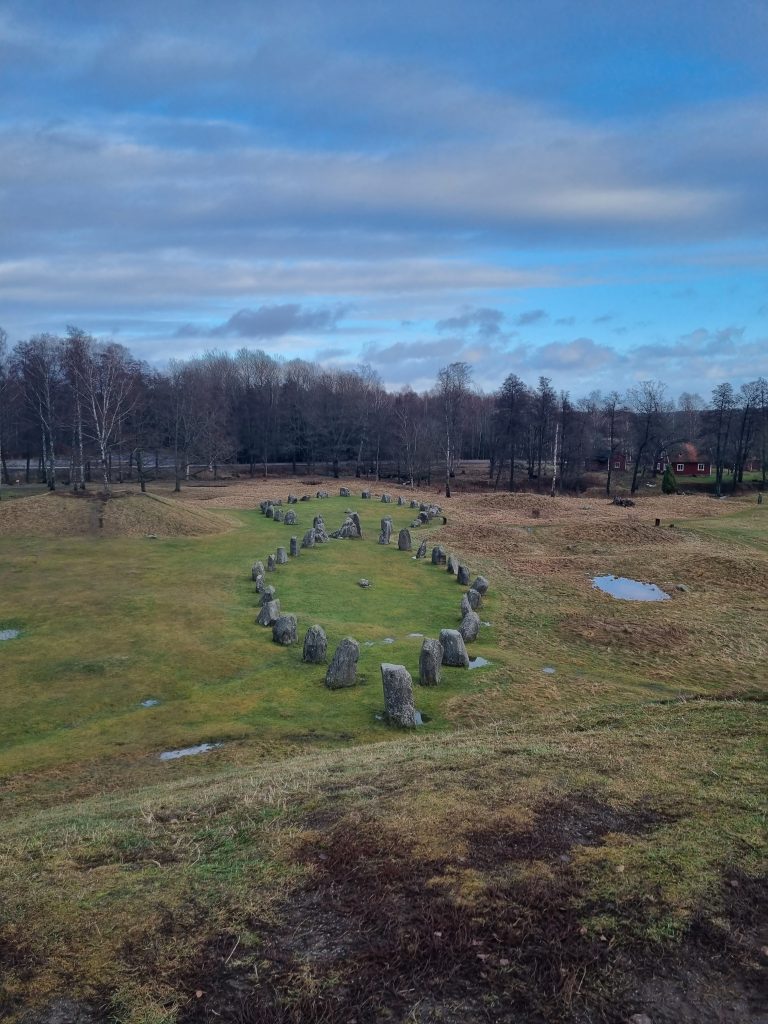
[(275, 321), (487, 322), (581, 354), (324, 354), (565, 321), (531, 316), (604, 319)]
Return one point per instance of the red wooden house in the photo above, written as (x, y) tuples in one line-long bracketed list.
[(620, 462), (685, 460)]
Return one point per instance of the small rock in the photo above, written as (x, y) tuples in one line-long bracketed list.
[(364, 584), (343, 492), (422, 552)]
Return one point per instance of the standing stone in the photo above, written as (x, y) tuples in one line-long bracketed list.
[(414, 503), (343, 668), (269, 614), (281, 557), (404, 541), (270, 511), (315, 646), (278, 515), (322, 494), (430, 660), (292, 499), (481, 585), (257, 569), (294, 548), (365, 494), (454, 651), (356, 520), (386, 498), (271, 563), (465, 606), (462, 576), (400, 499), (290, 518), (452, 565), (305, 497), (284, 630), (259, 584), (475, 599), (399, 708), (343, 492), (318, 521), (438, 555), (267, 595), (386, 530), (470, 627), (422, 552), (309, 539)]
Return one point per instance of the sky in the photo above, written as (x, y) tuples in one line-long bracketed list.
[(574, 190)]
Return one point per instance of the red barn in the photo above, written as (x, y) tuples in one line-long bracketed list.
[(685, 460)]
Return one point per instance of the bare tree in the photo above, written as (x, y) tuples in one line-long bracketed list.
[(452, 387), (39, 364), (4, 388), (722, 405), (648, 403)]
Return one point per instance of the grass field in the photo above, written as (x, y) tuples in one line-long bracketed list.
[(572, 846)]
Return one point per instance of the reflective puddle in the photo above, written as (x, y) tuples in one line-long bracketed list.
[(548, 670), (478, 662), (201, 748), (629, 590), (9, 634), (151, 703)]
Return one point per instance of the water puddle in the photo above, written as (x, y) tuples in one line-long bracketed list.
[(415, 634), (151, 703), (629, 590), (478, 662), (201, 748), (548, 670), (388, 640), (9, 634)]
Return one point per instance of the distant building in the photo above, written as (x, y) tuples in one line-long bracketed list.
[(685, 460), (619, 462)]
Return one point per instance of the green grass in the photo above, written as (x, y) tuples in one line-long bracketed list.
[(107, 624)]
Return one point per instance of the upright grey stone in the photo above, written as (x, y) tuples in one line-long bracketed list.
[(318, 521), (292, 499), (404, 541), (290, 518), (305, 497), (475, 599), (284, 630), (430, 660), (322, 494), (454, 651), (462, 575), (343, 492), (267, 595), (281, 557), (481, 585), (270, 511), (422, 552), (278, 515), (470, 627), (315, 646), (400, 499), (294, 547), (438, 555), (365, 494), (259, 584), (452, 565), (386, 530), (414, 503), (399, 708), (343, 668), (269, 613), (309, 539), (271, 563), (465, 605), (356, 520), (386, 498), (257, 569)]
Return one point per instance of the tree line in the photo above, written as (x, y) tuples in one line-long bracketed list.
[(74, 409)]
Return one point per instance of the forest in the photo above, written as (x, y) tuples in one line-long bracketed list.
[(76, 409)]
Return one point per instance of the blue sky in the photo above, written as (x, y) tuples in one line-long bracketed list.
[(554, 188)]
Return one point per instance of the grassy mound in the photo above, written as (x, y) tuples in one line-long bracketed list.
[(63, 514)]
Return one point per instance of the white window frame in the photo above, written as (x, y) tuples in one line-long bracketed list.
[(680, 467), (701, 466)]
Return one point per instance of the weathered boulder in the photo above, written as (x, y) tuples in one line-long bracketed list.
[(292, 499), (404, 541), (284, 630), (465, 606), (263, 506), (315, 646), (322, 494), (305, 497), (462, 576), (257, 569), (470, 627), (475, 598), (386, 498), (364, 584), (386, 530), (356, 520), (422, 552), (343, 492), (480, 585), (452, 565), (430, 660), (278, 515), (271, 563), (321, 534), (454, 651), (294, 547), (281, 556), (438, 555), (259, 584), (290, 518), (269, 613), (400, 499), (343, 668), (270, 511), (365, 494), (318, 521), (267, 595), (414, 503), (309, 539), (399, 708), (350, 528)]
